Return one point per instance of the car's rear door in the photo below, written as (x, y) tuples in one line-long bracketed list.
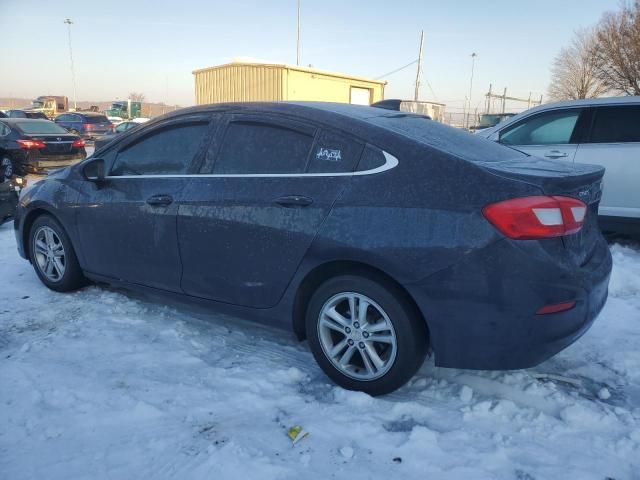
[(614, 142), (246, 223), (127, 224), (552, 134)]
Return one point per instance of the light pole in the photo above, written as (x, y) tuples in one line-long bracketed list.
[(473, 64), (298, 38), (68, 22)]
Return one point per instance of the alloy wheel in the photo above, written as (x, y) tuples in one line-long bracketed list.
[(357, 336), (49, 253)]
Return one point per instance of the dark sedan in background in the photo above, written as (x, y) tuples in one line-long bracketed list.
[(88, 125), (117, 130), (29, 146), (377, 235), (25, 114)]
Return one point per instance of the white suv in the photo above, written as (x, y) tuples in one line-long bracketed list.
[(603, 131)]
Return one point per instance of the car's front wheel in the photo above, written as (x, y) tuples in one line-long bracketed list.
[(53, 256), (364, 334), (7, 168)]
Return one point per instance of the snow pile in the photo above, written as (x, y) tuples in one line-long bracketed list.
[(102, 385)]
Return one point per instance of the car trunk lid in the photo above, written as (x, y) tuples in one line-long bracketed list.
[(56, 144), (580, 181)]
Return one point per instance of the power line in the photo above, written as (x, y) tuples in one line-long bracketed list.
[(397, 70)]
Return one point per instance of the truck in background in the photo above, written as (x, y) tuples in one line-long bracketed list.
[(124, 109), (50, 105)]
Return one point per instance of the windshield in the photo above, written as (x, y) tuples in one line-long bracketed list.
[(96, 119), (40, 126), (487, 121), (37, 104)]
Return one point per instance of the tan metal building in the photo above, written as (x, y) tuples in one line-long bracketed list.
[(250, 82)]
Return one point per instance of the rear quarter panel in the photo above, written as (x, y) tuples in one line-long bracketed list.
[(416, 219)]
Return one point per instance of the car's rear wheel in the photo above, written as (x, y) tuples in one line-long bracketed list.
[(53, 256), (364, 334)]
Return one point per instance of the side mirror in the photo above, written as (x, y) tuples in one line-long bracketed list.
[(93, 170)]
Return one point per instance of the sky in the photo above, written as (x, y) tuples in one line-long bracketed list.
[(153, 46)]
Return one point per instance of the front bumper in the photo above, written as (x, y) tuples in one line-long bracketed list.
[(481, 312)]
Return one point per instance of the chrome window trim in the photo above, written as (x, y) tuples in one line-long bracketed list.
[(391, 162)]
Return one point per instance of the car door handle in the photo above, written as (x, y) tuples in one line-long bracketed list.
[(556, 154), (292, 201), (160, 200)]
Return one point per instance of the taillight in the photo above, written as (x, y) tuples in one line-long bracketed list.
[(31, 144), (88, 126), (79, 143), (529, 218)]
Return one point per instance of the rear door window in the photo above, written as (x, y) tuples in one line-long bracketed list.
[(96, 119), (166, 151), (263, 147), (334, 153), (616, 124), (372, 158), (548, 128)]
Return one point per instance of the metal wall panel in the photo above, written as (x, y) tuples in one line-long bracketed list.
[(239, 83)]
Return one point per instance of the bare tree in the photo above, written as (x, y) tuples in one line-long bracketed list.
[(137, 97), (574, 71), (618, 49)]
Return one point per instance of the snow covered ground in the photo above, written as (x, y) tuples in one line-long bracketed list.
[(102, 385)]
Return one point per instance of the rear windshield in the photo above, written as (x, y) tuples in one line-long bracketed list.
[(40, 126), (96, 119), (457, 142)]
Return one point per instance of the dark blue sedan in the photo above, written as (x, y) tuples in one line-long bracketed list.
[(379, 236), (88, 125)]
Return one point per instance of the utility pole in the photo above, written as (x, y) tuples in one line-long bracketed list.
[(298, 39), (473, 64), (415, 95), (68, 22)]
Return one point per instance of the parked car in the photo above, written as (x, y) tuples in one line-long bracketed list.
[(88, 125), (9, 195), (36, 146), (117, 130), (376, 236), (25, 114), (603, 131)]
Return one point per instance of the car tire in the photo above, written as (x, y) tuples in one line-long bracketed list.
[(53, 257), (7, 168), (387, 339)]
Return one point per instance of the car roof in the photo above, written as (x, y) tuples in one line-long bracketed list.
[(85, 114), (22, 120), (304, 109), (585, 102)]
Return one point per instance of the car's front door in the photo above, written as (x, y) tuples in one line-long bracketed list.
[(127, 224), (552, 135), (245, 226), (614, 143)]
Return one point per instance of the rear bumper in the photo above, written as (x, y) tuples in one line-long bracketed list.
[(620, 225), (93, 135), (41, 165), (481, 312)]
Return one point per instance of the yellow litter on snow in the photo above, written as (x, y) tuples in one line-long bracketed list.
[(296, 433)]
